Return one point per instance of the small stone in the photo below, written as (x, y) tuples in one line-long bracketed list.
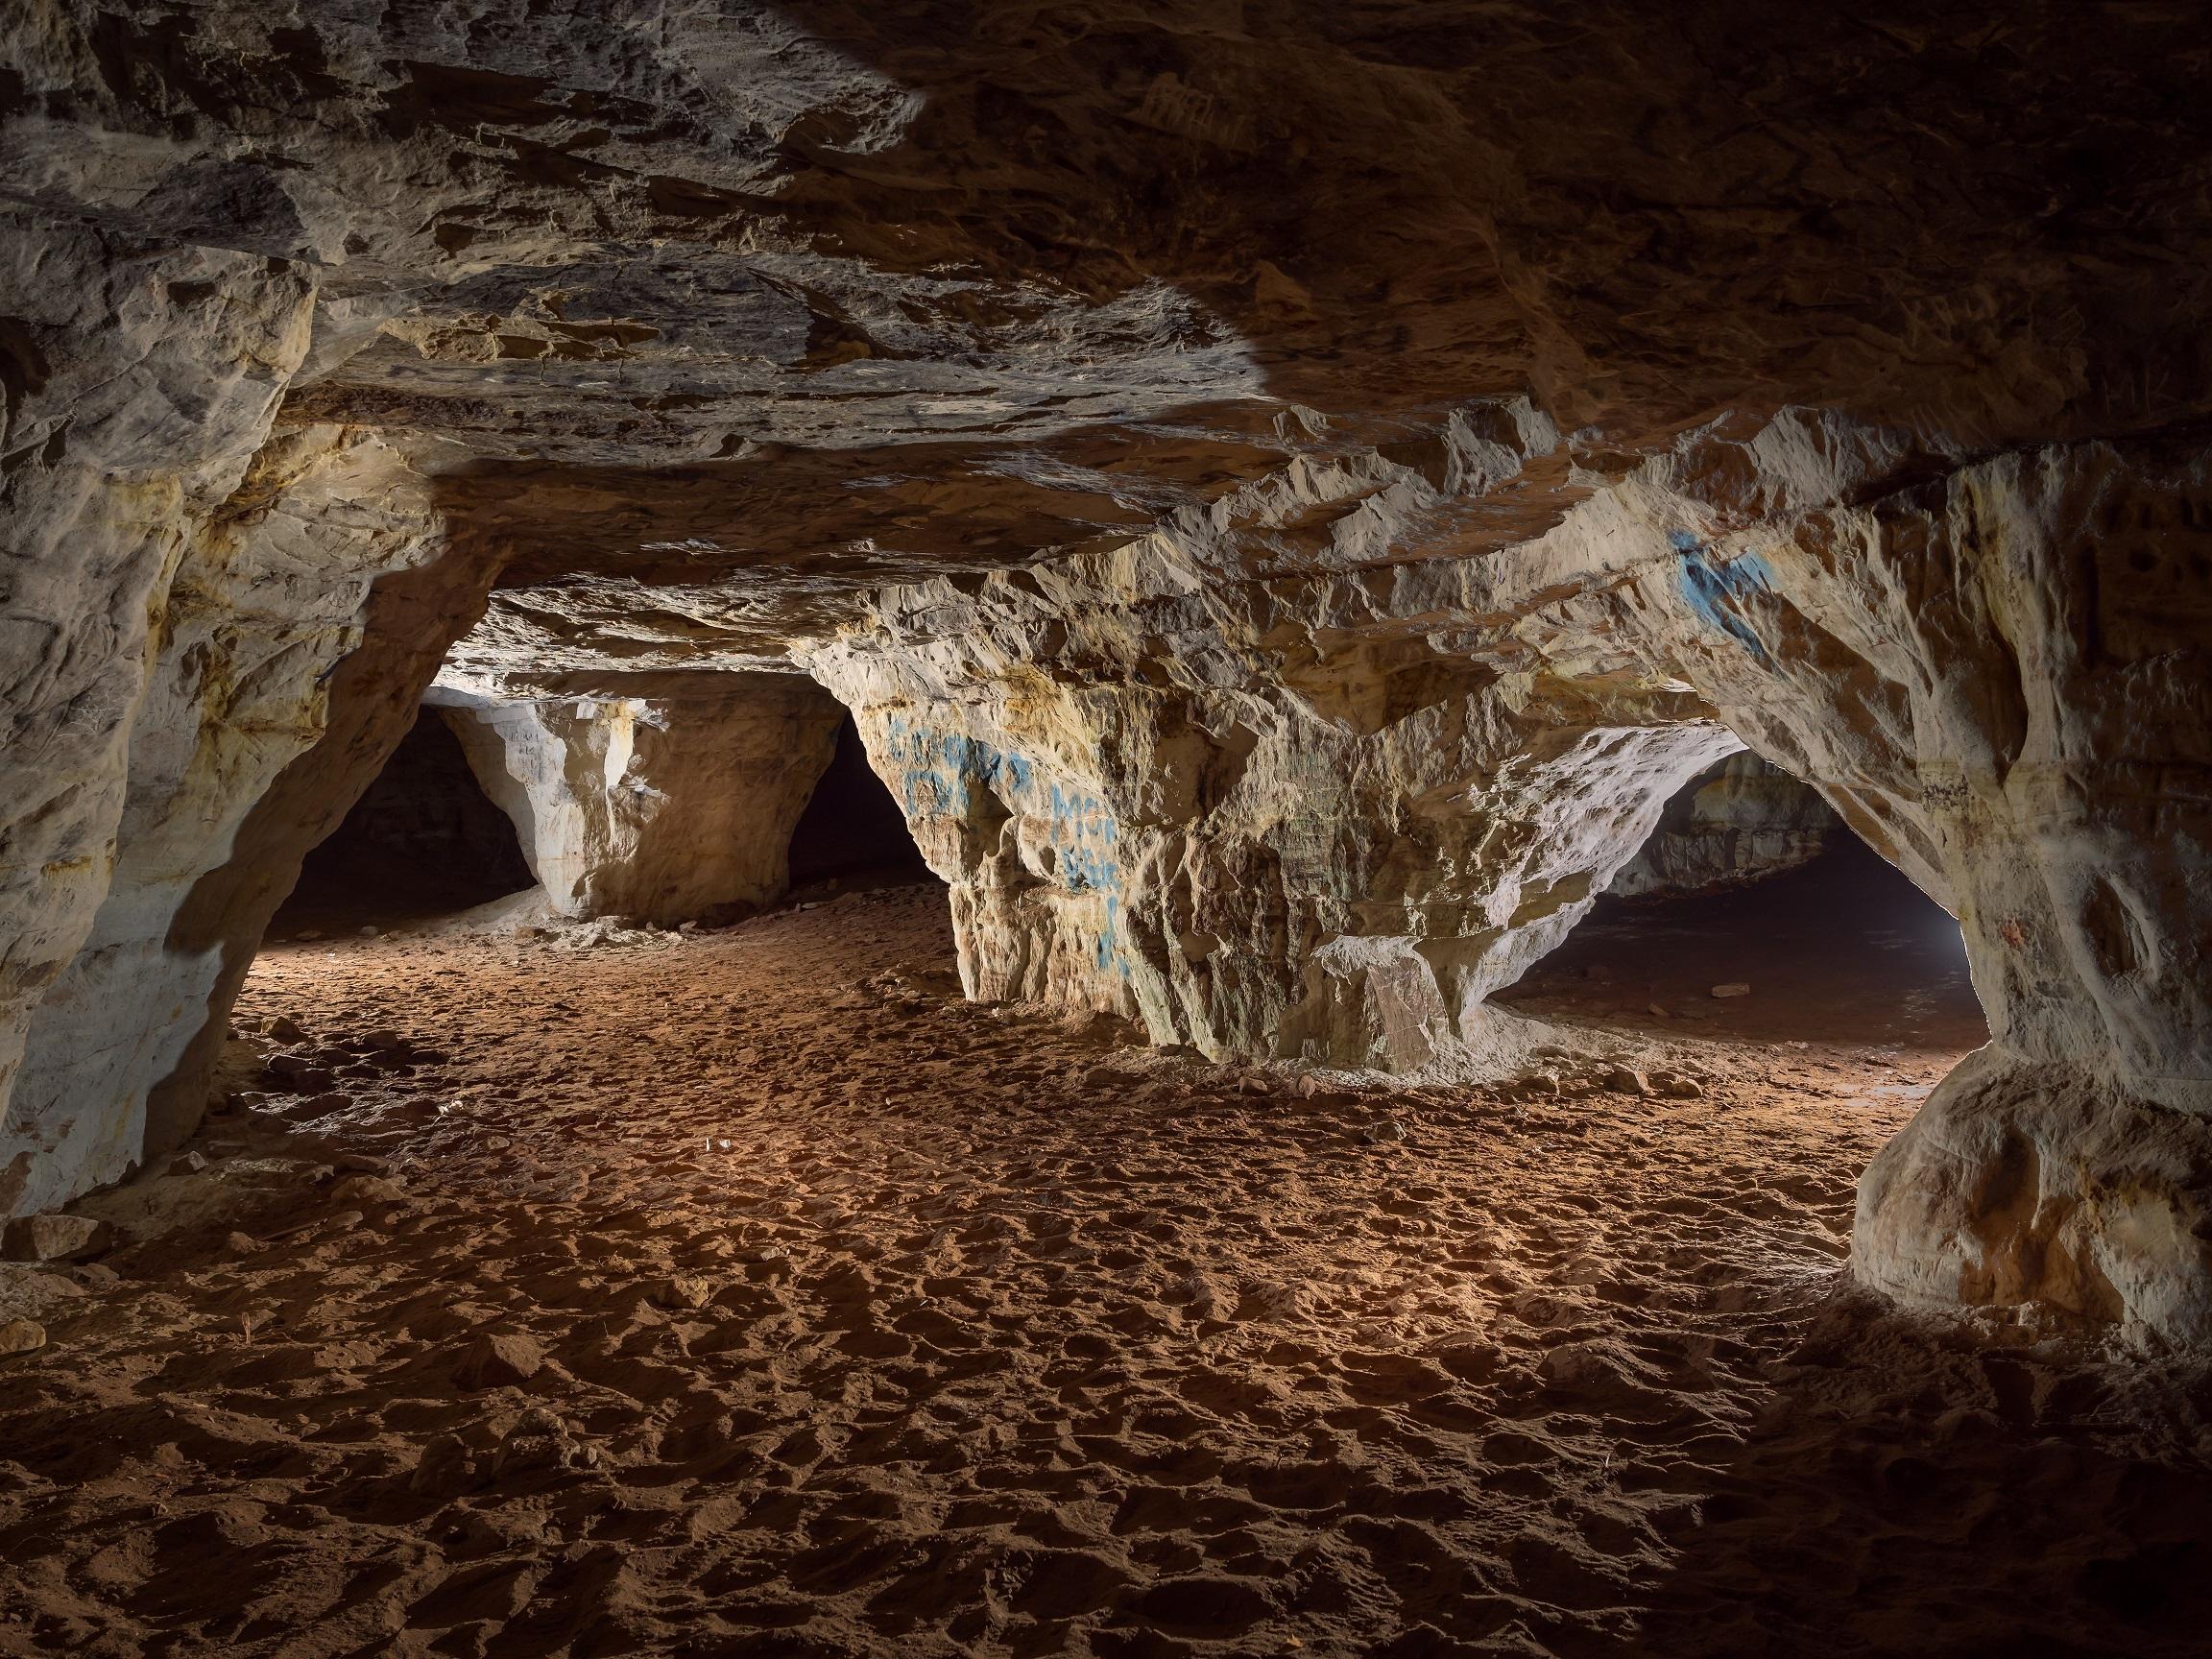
[(22, 1337), (498, 1360), (683, 1290), (243, 1244), (371, 932), (308, 935), (1675, 1086), (383, 1039), (361, 1164), (1383, 1131), (442, 1470), (187, 1164), (369, 1190), (1626, 1080), (1660, 1012), (540, 1441), (285, 1029), (1734, 987), (55, 1237)]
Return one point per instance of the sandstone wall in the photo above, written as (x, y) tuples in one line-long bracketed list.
[(1229, 782), (672, 804), (1292, 778), (304, 617), (1742, 822), (132, 409)]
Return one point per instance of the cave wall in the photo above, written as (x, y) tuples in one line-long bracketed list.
[(124, 427), (670, 804), (1285, 522), (1270, 793), (1741, 822), (1230, 782), (302, 617), (205, 621)]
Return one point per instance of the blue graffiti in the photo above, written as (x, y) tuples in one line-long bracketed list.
[(948, 773), (1717, 591), (940, 772)]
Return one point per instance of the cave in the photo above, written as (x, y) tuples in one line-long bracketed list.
[(422, 841), (852, 831), (1753, 910), (1331, 829)]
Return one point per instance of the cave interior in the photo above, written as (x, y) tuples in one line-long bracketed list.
[(1157, 829)]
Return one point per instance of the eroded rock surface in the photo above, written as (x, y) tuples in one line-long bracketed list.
[(1288, 498), (1743, 820), (661, 807)]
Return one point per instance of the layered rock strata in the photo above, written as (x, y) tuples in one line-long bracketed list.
[(1742, 822), (673, 803)]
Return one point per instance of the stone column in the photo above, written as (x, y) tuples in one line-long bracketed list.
[(1258, 850), (664, 798), (138, 384), (2000, 675)]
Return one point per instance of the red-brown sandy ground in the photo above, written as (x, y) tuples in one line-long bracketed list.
[(750, 1293)]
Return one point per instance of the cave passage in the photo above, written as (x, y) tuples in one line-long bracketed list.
[(424, 840), (852, 832), (1750, 882)]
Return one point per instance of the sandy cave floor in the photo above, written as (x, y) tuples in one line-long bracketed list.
[(752, 1295)]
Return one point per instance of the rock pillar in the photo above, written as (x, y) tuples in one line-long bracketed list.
[(670, 800)]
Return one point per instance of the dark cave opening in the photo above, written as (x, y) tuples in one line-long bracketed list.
[(424, 840), (853, 832), (1753, 911)]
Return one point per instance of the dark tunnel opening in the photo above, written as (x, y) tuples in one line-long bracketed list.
[(424, 840), (853, 832), (1753, 910)]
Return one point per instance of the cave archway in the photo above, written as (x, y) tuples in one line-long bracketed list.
[(424, 840), (853, 832), (1754, 911)]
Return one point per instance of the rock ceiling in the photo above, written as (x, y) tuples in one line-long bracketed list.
[(714, 316)]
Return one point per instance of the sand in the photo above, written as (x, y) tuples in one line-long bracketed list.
[(750, 1294)]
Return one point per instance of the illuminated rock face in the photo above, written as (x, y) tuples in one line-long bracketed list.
[(1322, 815), (1288, 506), (666, 808), (1743, 822), (295, 635)]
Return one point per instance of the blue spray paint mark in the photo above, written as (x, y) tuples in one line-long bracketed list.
[(1715, 590), (944, 774)]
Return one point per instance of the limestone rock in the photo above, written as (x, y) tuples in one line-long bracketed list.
[(55, 1237)]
